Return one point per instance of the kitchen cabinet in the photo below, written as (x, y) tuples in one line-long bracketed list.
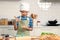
[(7, 29)]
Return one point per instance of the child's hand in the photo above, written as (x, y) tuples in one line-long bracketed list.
[(24, 27), (16, 18)]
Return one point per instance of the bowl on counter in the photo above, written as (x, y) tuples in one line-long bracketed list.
[(52, 22)]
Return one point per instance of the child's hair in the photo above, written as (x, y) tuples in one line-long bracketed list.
[(34, 16)]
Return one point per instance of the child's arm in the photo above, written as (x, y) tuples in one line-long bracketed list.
[(14, 23), (15, 26), (16, 19)]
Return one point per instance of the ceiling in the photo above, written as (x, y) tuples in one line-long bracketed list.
[(57, 1), (9, 0)]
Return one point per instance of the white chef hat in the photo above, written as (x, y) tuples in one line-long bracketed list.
[(24, 6)]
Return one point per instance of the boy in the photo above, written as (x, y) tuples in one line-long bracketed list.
[(23, 24)]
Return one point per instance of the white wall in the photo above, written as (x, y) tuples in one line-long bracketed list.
[(9, 9), (51, 14)]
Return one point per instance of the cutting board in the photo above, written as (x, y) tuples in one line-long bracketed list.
[(23, 38), (27, 38)]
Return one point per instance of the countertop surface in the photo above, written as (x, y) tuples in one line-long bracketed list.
[(9, 29)]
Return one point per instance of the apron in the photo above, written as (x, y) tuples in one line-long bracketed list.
[(21, 32)]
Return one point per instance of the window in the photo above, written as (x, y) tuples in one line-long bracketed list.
[(44, 5)]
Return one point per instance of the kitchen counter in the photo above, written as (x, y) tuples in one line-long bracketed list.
[(23, 38), (38, 30), (9, 29)]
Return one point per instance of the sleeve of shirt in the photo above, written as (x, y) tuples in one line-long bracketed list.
[(17, 22), (30, 22)]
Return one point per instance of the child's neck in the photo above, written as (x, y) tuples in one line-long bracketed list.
[(24, 16)]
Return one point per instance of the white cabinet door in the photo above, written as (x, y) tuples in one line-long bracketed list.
[(38, 30), (7, 30)]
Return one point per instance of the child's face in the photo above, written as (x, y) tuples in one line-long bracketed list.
[(24, 13)]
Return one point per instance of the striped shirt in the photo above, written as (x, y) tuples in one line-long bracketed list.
[(25, 18)]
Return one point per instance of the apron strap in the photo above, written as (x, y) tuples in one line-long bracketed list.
[(27, 19)]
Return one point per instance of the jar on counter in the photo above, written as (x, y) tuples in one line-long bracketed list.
[(6, 37), (38, 23)]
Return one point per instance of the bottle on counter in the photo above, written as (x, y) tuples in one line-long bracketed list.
[(38, 23)]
